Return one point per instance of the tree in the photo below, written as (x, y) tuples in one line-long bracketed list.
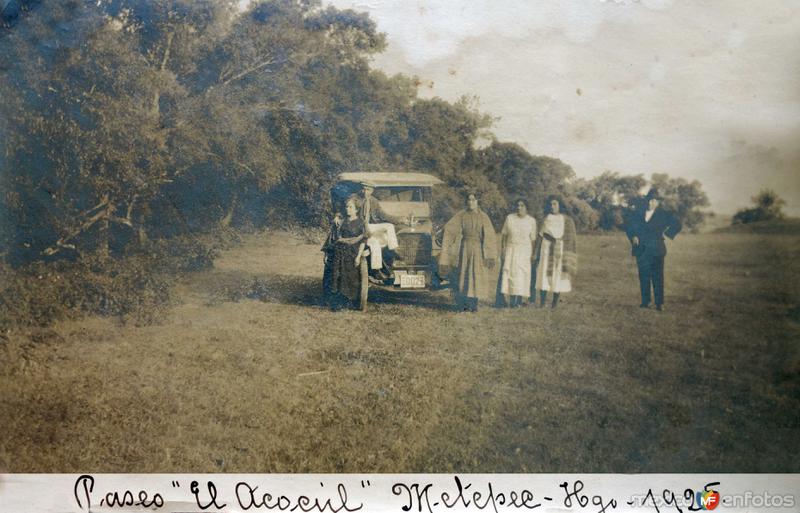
[(686, 199), (435, 136), (167, 116), (768, 207), (138, 120), (517, 173), (586, 218), (614, 196), (610, 195), (85, 153), (438, 137)]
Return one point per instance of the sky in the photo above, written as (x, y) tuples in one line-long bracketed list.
[(701, 90)]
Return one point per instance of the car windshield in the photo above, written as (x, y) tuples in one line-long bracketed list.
[(392, 194)]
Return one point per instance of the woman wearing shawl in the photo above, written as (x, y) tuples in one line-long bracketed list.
[(345, 277), (556, 253), (468, 252), (517, 239), (329, 250)]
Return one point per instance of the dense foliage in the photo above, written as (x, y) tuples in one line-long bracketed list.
[(131, 126), (127, 120), (767, 206), (613, 196)]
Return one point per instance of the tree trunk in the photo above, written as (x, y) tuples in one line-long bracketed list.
[(226, 221), (103, 236)]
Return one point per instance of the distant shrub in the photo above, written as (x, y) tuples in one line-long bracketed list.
[(768, 207), (788, 226), (750, 215)]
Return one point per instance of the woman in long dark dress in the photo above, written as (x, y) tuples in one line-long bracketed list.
[(345, 275), (328, 250)]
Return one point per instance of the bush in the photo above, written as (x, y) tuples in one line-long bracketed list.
[(134, 288), (768, 207), (586, 218), (39, 294), (187, 254)]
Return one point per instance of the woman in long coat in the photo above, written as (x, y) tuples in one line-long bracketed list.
[(517, 239), (469, 250), (556, 253), (345, 277)]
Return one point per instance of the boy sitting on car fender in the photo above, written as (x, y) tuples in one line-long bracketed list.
[(379, 230)]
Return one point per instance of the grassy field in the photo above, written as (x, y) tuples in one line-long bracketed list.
[(277, 383)]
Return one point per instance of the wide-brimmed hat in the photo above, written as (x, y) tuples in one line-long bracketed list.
[(653, 194)]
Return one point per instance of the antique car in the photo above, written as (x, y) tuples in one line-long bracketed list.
[(405, 196)]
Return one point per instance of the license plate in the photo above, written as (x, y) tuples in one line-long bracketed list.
[(412, 281)]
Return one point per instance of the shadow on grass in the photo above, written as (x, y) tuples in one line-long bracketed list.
[(435, 300), (222, 286)]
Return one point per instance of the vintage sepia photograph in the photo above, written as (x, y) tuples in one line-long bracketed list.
[(385, 236)]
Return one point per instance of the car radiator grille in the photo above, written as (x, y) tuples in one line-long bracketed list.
[(414, 249)]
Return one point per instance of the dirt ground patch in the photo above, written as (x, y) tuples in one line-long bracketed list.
[(251, 373)]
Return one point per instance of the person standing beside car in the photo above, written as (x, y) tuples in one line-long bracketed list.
[(469, 251), (646, 230), (328, 250), (344, 285)]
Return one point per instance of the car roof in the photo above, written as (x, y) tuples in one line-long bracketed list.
[(384, 179)]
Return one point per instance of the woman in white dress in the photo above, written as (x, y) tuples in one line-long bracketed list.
[(517, 239), (556, 253)]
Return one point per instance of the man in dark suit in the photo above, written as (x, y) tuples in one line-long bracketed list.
[(646, 230)]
